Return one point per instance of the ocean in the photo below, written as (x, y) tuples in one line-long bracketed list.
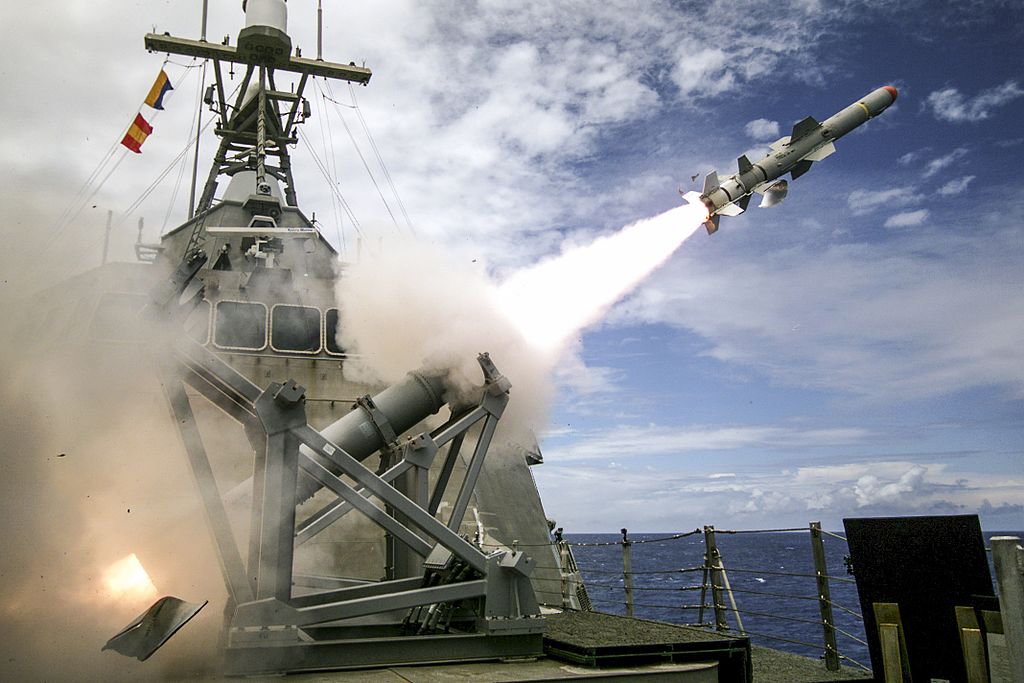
[(771, 574)]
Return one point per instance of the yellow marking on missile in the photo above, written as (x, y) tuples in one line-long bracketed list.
[(864, 107)]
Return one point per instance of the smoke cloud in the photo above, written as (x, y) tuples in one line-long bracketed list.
[(93, 469), (92, 474), (412, 305)]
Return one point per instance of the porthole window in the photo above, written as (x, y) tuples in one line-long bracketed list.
[(240, 325), (331, 333), (295, 329)]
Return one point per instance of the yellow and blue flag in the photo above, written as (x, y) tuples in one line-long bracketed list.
[(137, 134), (161, 86)]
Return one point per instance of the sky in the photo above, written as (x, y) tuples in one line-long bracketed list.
[(856, 351)]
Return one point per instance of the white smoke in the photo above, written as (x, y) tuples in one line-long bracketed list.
[(412, 305)]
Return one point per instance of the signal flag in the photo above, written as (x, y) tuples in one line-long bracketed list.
[(137, 134), (161, 86)]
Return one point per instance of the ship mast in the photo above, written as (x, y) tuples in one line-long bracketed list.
[(257, 128)]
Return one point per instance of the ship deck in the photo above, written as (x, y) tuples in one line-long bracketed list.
[(597, 646)]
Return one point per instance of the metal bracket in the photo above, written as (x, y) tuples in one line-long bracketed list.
[(420, 451), (380, 423), (281, 407)]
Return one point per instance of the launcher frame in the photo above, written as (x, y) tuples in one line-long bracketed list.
[(467, 605)]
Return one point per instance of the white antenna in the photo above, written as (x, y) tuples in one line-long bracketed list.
[(319, 31)]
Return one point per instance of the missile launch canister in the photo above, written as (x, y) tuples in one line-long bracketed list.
[(810, 141)]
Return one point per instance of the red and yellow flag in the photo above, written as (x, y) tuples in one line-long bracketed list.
[(137, 134)]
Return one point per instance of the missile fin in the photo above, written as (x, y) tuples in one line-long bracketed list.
[(731, 209), (744, 164), (743, 202), (826, 150), (711, 225), (710, 183), (801, 167), (693, 198), (780, 143), (802, 128), (774, 193)]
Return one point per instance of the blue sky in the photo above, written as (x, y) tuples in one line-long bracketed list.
[(858, 350)]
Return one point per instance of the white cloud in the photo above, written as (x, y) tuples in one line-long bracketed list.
[(662, 440), (594, 498), (912, 316), (939, 163), (907, 219), (949, 104), (865, 201), (955, 186), (870, 490), (703, 71), (909, 158), (762, 129)]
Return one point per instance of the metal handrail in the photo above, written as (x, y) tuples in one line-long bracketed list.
[(714, 575), (771, 572), (682, 570), (673, 537), (641, 604), (773, 595), (649, 588)]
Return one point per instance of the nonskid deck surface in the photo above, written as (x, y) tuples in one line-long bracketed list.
[(542, 669), (776, 666), (624, 648)]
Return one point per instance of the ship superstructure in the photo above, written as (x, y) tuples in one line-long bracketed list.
[(417, 517)]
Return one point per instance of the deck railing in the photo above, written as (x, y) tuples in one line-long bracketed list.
[(713, 594)]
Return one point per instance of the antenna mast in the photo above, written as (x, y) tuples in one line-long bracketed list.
[(257, 128)]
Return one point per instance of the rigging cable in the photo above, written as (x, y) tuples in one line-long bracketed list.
[(325, 123), (380, 159), (181, 169), (163, 174), (376, 151), (71, 212), (326, 174), (366, 165)]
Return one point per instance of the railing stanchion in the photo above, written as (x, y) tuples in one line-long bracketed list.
[(703, 592), (563, 567), (713, 561), (627, 572), (824, 598)]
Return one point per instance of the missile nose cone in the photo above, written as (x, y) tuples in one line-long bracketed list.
[(892, 91)]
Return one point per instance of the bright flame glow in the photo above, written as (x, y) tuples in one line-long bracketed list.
[(552, 301), (126, 580)]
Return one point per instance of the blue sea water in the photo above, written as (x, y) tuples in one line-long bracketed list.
[(771, 574)]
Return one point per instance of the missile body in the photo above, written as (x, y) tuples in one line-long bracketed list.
[(810, 141)]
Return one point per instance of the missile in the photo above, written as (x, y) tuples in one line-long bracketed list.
[(810, 141)]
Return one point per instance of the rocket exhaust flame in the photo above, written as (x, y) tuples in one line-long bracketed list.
[(553, 301), (528, 322), (127, 581)]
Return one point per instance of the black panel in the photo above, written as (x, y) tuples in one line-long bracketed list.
[(928, 566), (295, 328), (241, 325), (331, 332)]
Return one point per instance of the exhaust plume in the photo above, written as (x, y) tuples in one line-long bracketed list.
[(397, 314)]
